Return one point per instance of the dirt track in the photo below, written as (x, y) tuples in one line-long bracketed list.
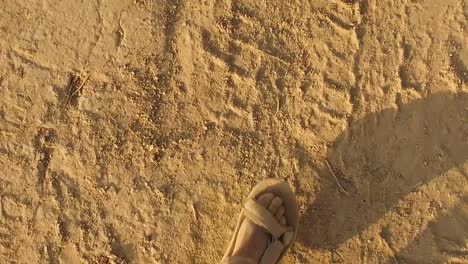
[(131, 130)]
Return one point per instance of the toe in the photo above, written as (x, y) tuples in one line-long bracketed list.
[(275, 205), (279, 213), (265, 199), (283, 221)]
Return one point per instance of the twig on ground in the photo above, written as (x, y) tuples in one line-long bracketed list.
[(69, 88), (393, 252), (81, 86), (336, 178), (339, 255), (277, 107), (71, 93)]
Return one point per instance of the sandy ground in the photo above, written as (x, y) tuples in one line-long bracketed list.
[(132, 130)]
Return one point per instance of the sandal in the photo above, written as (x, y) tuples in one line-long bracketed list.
[(282, 237)]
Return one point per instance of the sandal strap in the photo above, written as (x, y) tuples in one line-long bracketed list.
[(262, 217), (237, 260), (272, 253)]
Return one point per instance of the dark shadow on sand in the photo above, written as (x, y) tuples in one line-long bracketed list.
[(382, 158), (448, 231)]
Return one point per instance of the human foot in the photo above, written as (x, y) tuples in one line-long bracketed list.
[(252, 240)]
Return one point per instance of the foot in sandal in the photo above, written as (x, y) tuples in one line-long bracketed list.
[(252, 239), (266, 227)]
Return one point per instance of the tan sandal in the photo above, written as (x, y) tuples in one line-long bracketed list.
[(282, 237)]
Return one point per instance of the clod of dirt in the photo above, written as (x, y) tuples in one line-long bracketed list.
[(12, 208), (460, 64), (414, 75)]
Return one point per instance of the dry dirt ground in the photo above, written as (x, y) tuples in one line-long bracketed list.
[(132, 130)]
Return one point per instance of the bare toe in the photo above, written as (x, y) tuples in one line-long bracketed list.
[(275, 204), (283, 221), (279, 213), (265, 199)]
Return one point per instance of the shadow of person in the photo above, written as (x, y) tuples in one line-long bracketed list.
[(381, 159), (449, 234)]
